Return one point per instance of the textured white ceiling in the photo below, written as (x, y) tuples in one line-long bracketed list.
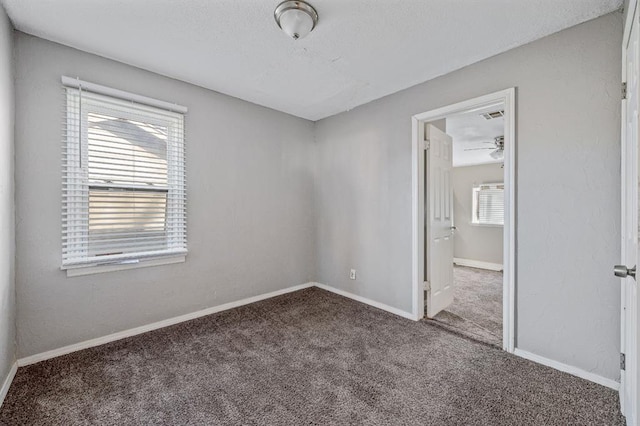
[(471, 130), (361, 50)]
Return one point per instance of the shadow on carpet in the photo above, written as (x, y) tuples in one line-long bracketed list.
[(465, 328)]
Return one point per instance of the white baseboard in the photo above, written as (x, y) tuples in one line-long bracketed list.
[(366, 301), (592, 377), (478, 264), (7, 382), (182, 318), (32, 359)]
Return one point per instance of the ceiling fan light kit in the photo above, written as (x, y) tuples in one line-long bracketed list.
[(498, 154), (296, 18)]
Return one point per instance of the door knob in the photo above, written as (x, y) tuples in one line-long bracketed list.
[(622, 271)]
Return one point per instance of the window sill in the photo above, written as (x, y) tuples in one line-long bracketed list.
[(142, 263)]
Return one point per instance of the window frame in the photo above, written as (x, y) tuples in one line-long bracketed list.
[(83, 99)]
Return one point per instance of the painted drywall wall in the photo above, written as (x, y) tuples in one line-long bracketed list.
[(568, 177), (474, 242), (7, 224), (250, 194)]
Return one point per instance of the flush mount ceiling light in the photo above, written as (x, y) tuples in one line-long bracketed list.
[(296, 18)]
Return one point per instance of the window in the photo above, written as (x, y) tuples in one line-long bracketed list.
[(488, 204), (123, 180)]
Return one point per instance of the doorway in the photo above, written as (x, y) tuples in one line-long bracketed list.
[(435, 273)]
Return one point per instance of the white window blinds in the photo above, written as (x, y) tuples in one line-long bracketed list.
[(488, 204), (124, 193)]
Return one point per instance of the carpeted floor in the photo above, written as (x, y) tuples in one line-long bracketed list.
[(309, 357), (477, 305)]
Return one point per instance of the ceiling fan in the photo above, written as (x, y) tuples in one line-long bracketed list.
[(498, 148)]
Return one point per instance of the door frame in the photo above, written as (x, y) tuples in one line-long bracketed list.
[(506, 97), (630, 353)]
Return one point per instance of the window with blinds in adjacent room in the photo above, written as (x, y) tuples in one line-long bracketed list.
[(124, 194), (488, 204)]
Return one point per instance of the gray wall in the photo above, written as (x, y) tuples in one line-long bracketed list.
[(568, 178), (7, 227), (474, 242), (250, 203)]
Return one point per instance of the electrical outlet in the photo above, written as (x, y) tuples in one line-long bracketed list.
[(352, 274)]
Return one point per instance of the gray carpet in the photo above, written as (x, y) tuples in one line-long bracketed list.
[(309, 357), (476, 310)]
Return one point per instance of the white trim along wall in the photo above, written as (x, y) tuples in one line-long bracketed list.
[(478, 264), (154, 326), (575, 371), (187, 317), (208, 311)]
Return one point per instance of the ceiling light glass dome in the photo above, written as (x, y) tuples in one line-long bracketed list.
[(296, 18)]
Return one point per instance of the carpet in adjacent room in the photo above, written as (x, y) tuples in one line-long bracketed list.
[(476, 311)]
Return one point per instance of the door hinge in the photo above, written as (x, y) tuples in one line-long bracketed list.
[(427, 286), (426, 144), (624, 90), (623, 361)]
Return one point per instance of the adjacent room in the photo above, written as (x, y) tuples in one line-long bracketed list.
[(319, 212), (477, 187)]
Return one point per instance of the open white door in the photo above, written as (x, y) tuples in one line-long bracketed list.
[(629, 291), (439, 238)]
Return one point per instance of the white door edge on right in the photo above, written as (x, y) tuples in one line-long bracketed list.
[(629, 223)]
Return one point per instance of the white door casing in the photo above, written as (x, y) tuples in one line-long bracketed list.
[(629, 232), (439, 236), (507, 100)]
